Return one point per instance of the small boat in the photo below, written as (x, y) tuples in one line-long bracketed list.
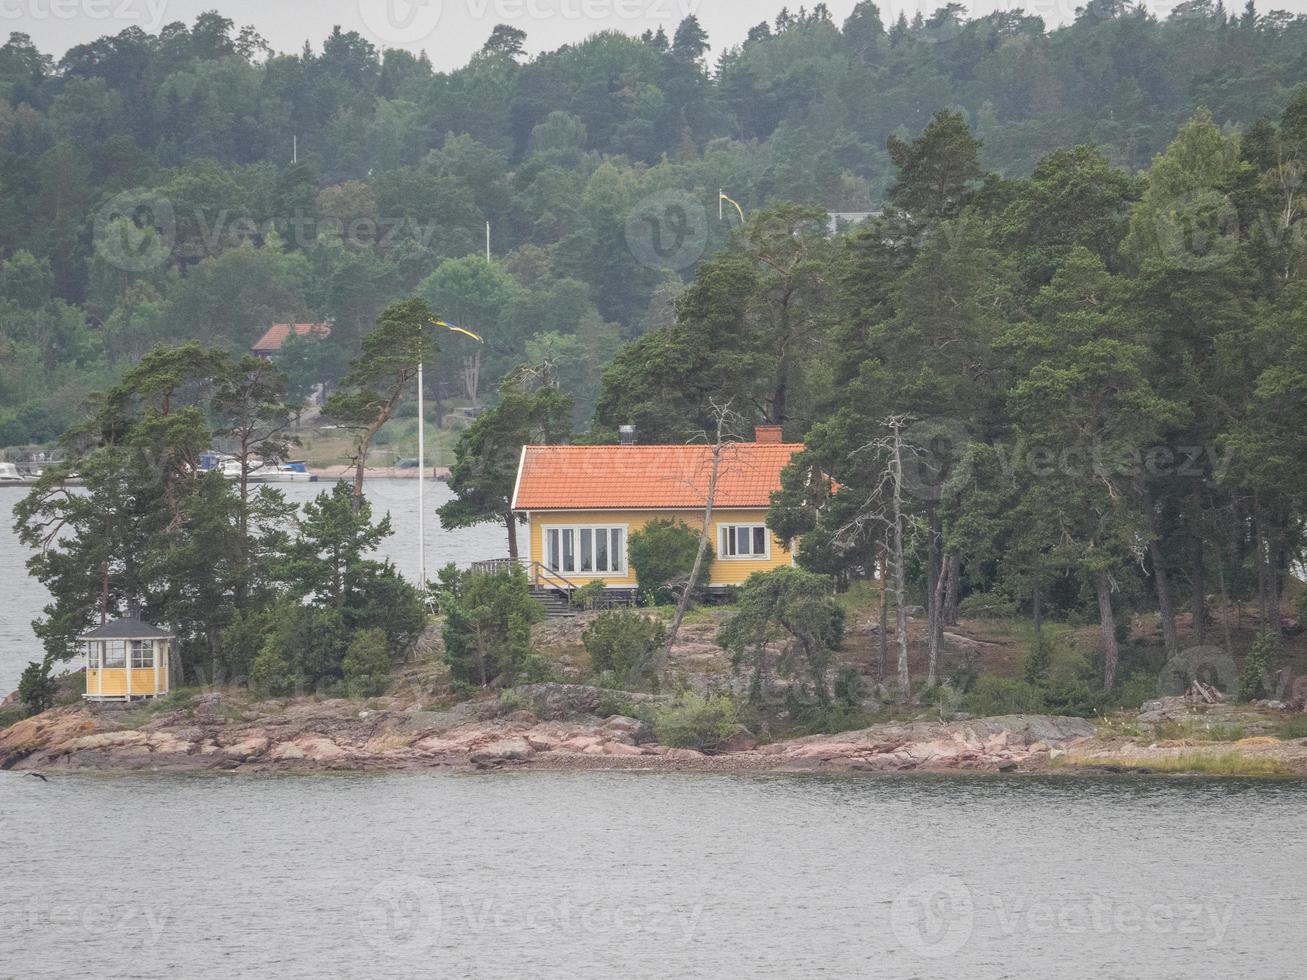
[(9, 474), (291, 471)]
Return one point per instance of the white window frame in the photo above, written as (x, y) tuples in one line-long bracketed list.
[(115, 655), (142, 654), (723, 552), (576, 530)]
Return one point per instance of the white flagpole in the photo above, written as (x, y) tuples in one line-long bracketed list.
[(422, 463)]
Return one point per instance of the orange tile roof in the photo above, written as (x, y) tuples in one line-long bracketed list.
[(278, 332), (647, 477)]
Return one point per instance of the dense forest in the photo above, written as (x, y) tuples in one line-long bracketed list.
[(195, 185), (1059, 369)]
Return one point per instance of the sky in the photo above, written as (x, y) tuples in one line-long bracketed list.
[(451, 30)]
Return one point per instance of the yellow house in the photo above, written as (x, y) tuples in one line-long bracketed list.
[(582, 503), (126, 659)]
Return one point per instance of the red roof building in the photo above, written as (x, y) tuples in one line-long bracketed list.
[(651, 477), (272, 341)]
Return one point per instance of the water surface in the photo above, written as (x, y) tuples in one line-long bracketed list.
[(626, 875)]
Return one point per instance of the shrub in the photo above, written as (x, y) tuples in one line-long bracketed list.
[(11, 716), (36, 688), (384, 599), (695, 722), (310, 640), (662, 554), (488, 621), (788, 604), (242, 641), (1003, 696), (589, 595), (1256, 666), (367, 663), (617, 641), (270, 674)]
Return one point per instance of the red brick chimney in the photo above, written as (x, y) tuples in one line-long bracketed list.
[(767, 433)]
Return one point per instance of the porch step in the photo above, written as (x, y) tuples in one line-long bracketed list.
[(556, 606)]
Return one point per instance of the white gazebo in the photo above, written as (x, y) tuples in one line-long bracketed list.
[(126, 659)]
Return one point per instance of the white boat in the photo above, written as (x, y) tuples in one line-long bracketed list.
[(291, 471), (9, 474)]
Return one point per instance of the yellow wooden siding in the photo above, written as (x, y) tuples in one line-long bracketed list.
[(731, 571), (115, 682)]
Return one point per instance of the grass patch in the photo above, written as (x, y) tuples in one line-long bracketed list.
[(1202, 762), (1293, 728), (1196, 731)]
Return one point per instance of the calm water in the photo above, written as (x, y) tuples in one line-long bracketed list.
[(21, 598), (622, 875)]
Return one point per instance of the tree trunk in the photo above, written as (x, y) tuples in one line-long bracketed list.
[(1165, 607), (1037, 609), (683, 602), (934, 594), (953, 598), (511, 525), (900, 591), (1198, 584), (1107, 623), (884, 614), (1225, 608)]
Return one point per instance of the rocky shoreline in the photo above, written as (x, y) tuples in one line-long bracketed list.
[(545, 726)]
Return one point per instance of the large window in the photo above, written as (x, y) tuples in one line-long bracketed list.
[(94, 653), (586, 550), (743, 541), (115, 654), (142, 654)]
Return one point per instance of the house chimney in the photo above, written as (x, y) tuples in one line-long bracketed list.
[(626, 434), (767, 433)]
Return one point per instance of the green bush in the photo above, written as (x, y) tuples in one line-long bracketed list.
[(695, 722), (617, 641), (383, 599), (1256, 666), (271, 674), (36, 688), (1004, 696), (662, 554), (242, 641), (791, 605), (488, 620), (11, 716), (589, 595), (367, 663)]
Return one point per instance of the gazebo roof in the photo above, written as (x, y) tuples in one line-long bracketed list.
[(126, 629)]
